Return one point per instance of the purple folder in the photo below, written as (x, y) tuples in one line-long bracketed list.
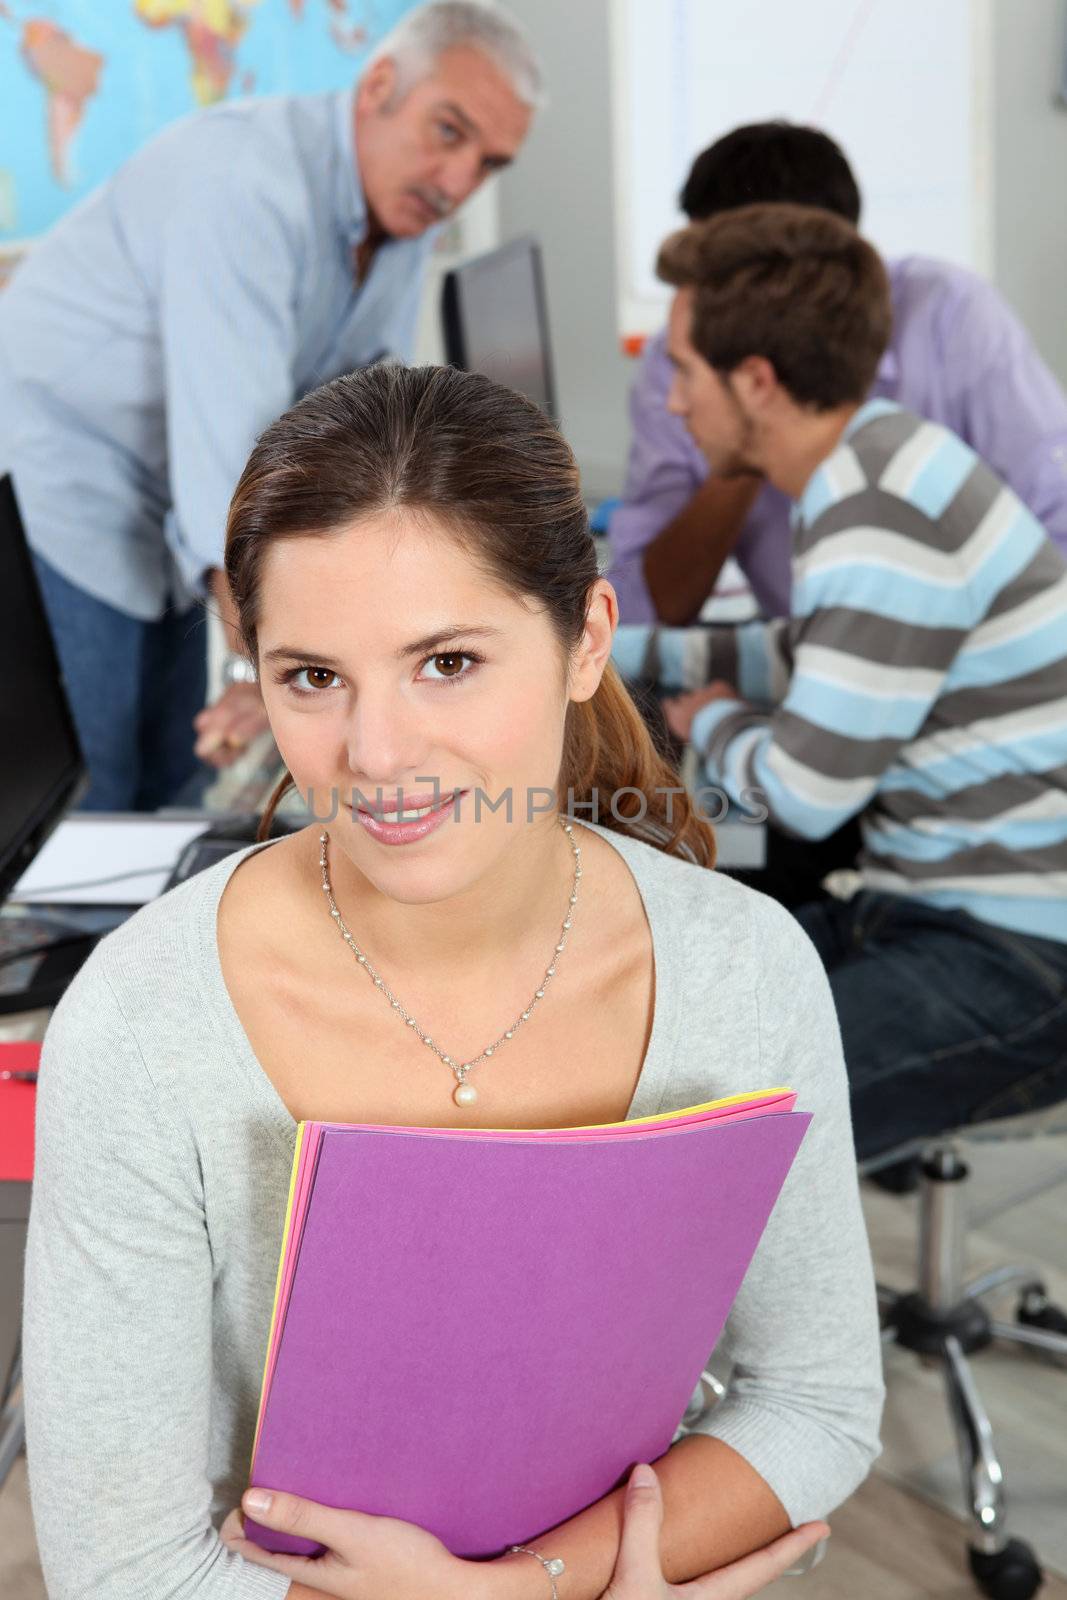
[(482, 1334)]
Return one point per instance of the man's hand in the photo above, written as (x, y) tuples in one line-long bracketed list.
[(226, 729), (639, 1576), (680, 709)]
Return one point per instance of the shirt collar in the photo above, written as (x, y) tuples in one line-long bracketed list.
[(877, 406), (810, 495), (350, 204), (887, 377)]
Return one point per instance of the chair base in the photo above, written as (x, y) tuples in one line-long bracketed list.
[(1012, 1574), (946, 1320), (12, 1422)]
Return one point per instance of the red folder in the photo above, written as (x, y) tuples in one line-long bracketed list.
[(17, 1102)]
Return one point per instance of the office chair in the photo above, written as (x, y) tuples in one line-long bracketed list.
[(945, 1318), (12, 1425)]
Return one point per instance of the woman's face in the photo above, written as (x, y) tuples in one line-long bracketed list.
[(389, 662)]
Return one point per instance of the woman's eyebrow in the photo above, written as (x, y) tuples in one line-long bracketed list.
[(288, 652), (417, 647), (469, 630)]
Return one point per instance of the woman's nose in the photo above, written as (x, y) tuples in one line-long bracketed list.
[(384, 740)]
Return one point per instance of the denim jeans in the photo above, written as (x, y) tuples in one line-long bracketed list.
[(945, 1019), (134, 688)]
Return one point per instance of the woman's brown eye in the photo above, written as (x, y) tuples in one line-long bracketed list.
[(316, 675), (450, 672)]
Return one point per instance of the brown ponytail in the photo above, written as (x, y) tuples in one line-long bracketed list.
[(490, 464)]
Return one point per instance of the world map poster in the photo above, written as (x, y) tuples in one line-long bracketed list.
[(83, 83)]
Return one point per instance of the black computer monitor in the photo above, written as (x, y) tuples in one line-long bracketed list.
[(42, 772), (495, 320)]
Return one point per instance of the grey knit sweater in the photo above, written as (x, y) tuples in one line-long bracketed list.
[(163, 1162)]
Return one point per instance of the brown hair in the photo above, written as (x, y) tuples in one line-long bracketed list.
[(501, 477), (794, 284)]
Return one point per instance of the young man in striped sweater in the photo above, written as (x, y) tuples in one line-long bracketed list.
[(919, 684)]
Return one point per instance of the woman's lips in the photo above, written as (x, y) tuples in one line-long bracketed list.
[(406, 832)]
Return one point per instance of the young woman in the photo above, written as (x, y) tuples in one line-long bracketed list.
[(416, 583)]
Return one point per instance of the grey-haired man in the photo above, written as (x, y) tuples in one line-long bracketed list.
[(244, 256)]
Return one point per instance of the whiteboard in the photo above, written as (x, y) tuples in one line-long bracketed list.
[(898, 83)]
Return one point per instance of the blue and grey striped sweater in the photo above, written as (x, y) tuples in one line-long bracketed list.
[(921, 681)]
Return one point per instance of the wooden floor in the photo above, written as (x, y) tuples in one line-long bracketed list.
[(888, 1545), (901, 1536)]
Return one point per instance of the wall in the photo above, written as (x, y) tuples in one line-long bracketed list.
[(561, 189), (1029, 129)]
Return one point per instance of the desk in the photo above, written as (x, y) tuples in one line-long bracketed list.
[(741, 842)]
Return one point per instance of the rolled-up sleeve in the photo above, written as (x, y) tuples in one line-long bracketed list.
[(230, 273), (805, 1398), (117, 1330), (1011, 409)]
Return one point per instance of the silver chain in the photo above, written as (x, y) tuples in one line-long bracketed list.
[(464, 1093), (554, 1566)]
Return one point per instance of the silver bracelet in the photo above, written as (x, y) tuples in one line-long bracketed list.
[(554, 1567)]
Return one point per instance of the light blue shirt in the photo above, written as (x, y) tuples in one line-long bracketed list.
[(155, 331)]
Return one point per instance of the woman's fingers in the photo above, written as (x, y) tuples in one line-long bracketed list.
[(232, 1530), (306, 1519), (289, 1514), (638, 1575), (751, 1575), (300, 1569)]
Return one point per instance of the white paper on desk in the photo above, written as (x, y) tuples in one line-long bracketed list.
[(85, 849), (741, 846)]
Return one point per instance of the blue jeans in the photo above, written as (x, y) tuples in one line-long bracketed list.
[(945, 1019), (134, 688)]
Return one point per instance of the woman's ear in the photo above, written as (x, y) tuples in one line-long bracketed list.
[(594, 649)]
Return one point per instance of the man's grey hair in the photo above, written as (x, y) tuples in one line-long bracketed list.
[(424, 34)]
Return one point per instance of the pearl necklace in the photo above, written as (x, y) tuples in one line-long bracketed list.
[(464, 1093)]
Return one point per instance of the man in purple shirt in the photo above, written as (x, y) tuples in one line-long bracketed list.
[(958, 355)]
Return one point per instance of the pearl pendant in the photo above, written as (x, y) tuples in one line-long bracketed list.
[(465, 1094)]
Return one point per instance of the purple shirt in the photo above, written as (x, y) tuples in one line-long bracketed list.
[(958, 356)]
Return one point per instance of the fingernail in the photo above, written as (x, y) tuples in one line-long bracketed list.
[(642, 1477), (257, 1500)]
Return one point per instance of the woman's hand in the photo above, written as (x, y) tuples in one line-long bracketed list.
[(366, 1557), (639, 1576)]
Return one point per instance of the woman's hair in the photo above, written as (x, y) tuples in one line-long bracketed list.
[(490, 468)]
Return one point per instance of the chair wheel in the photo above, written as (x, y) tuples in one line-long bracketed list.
[(900, 1178), (1035, 1310), (1011, 1574)]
